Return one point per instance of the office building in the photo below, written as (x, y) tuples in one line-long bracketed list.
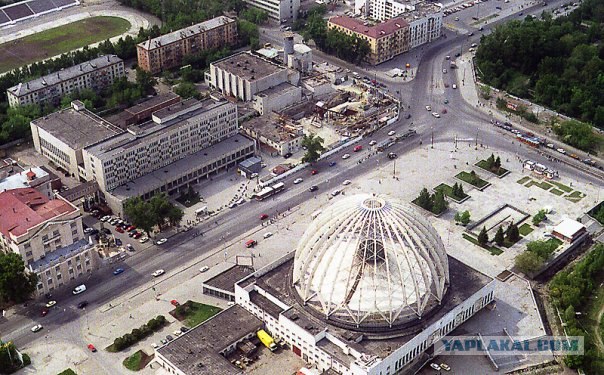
[(48, 234), (278, 10), (386, 40), (95, 74), (167, 51)]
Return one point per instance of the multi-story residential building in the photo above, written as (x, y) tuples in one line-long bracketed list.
[(278, 10), (386, 40), (34, 177), (245, 74), (49, 236), (167, 51), (95, 74), (61, 136), (425, 23)]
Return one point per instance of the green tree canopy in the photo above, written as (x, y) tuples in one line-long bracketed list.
[(187, 90), (314, 148), (16, 284), (483, 237)]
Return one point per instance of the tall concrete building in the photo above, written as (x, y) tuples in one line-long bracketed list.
[(95, 74), (278, 10), (48, 234), (167, 51), (386, 40)]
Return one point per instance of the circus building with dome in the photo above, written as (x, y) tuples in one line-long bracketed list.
[(368, 290)]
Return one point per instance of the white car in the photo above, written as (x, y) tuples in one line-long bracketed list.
[(88, 230), (444, 71), (105, 218), (345, 156), (335, 193), (36, 328), (435, 114), (158, 273), (454, 86), (346, 182), (154, 346), (372, 143), (428, 108), (204, 269), (144, 239), (79, 289), (391, 132), (561, 150), (161, 241), (51, 304), (177, 332), (298, 180), (435, 366), (268, 234)]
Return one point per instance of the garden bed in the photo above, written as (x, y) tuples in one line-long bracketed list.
[(193, 313), (525, 229), (137, 361), (472, 179), (491, 249), (448, 191), (500, 172)]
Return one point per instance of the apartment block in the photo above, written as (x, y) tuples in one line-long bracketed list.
[(48, 234), (386, 40), (95, 74), (167, 51), (278, 10)]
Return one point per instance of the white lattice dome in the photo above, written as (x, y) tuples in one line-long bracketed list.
[(371, 261)]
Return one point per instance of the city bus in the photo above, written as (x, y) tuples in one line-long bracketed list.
[(270, 191)]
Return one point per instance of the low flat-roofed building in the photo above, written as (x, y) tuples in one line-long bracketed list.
[(33, 177), (142, 112), (283, 137), (276, 98), (203, 349), (245, 74), (61, 136), (95, 74), (569, 230), (223, 284)]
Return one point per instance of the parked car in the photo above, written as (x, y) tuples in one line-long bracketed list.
[(184, 329), (79, 289), (44, 312), (163, 341), (158, 273), (169, 338), (119, 229), (391, 132), (392, 155), (88, 230), (435, 366), (118, 242), (175, 302), (263, 217), (144, 239), (154, 346), (250, 243), (118, 271), (436, 114), (335, 193), (371, 143), (91, 348), (288, 155), (454, 86), (298, 180), (161, 241), (428, 108), (138, 235), (267, 235), (346, 182), (36, 328), (445, 367), (129, 247), (345, 156), (204, 269), (82, 304), (51, 304)]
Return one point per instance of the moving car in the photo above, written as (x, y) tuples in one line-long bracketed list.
[(346, 182), (118, 271), (82, 304), (391, 132), (92, 348), (454, 86), (332, 164), (204, 269), (371, 143), (345, 156), (298, 180), (357, 148), (51, 304), (175, 302), (435, 114), (250, 243), (36, 328), (161, 241), (129, 247), (335, 193), (44, 312), (428, 108), (392, 155), (267, 235), (313, 188), (314, 172), (263, 217), (79, 289), (158, 273)]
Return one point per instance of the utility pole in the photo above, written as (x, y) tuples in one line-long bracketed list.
[(432, 138), (394, 169)]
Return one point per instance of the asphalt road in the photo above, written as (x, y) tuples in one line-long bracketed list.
[(462, 119)]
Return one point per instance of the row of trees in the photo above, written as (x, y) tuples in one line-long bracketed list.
[(493, 164), (577, 134), (512, 234), (556, 62), (434, 203), (157, 211), (16, 285), (139, 333), (570, 291)]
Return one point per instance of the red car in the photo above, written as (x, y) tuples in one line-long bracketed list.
[(358, 148), (130, 228), (250, 243), (92, 348), (314, 172), (119, 229), (263, 217), (44, 312), (137, 235), (175, 302)]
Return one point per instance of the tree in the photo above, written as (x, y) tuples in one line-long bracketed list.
[(186, 90), (16, 284), (439, 203), (539, 217), (577, 134), (140, 214), (499, 236), (145, 80), (424, 200), (465, 217), (314, 148), (483, 237), (528, 262), (9, 358), (512, 233)]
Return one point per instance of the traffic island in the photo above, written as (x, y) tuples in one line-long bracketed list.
[(137, 334), (193, 313), (493, 167), (455, 192), (137, 361)]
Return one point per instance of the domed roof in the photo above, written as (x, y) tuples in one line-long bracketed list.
[(370, 261)]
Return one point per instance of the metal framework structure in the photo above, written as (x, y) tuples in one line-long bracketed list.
[(371, 261)]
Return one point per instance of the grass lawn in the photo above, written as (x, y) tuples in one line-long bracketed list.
[(523, 180), (564, 188), (575, 196), (67, 372), (448, 191), (137, 361), (472, 180), (59, 40), (556, 192), (542, 184), (194, 313), (525, 229), (492, 249), (483, 164)]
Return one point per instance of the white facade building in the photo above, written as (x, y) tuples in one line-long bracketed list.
[(34, 177), (278, 10), (95, 74)]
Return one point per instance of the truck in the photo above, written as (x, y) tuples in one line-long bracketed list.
[(267, 340)]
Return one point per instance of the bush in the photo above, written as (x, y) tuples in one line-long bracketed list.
[(26, 360), (138, 334)]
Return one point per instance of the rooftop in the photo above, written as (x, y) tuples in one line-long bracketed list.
[(271, 129), (30, 177), (421, 10), (248, 66), (60, 254), (153, 102), (185, 33), (568, 228), (377, 31), (226, 280), (77, 128), (24, 208), (284, 88), (197, 351), (64, 74)]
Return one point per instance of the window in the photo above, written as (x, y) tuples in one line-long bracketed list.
[(27, 246), (59, 276), (55, 233), (28, 254)]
